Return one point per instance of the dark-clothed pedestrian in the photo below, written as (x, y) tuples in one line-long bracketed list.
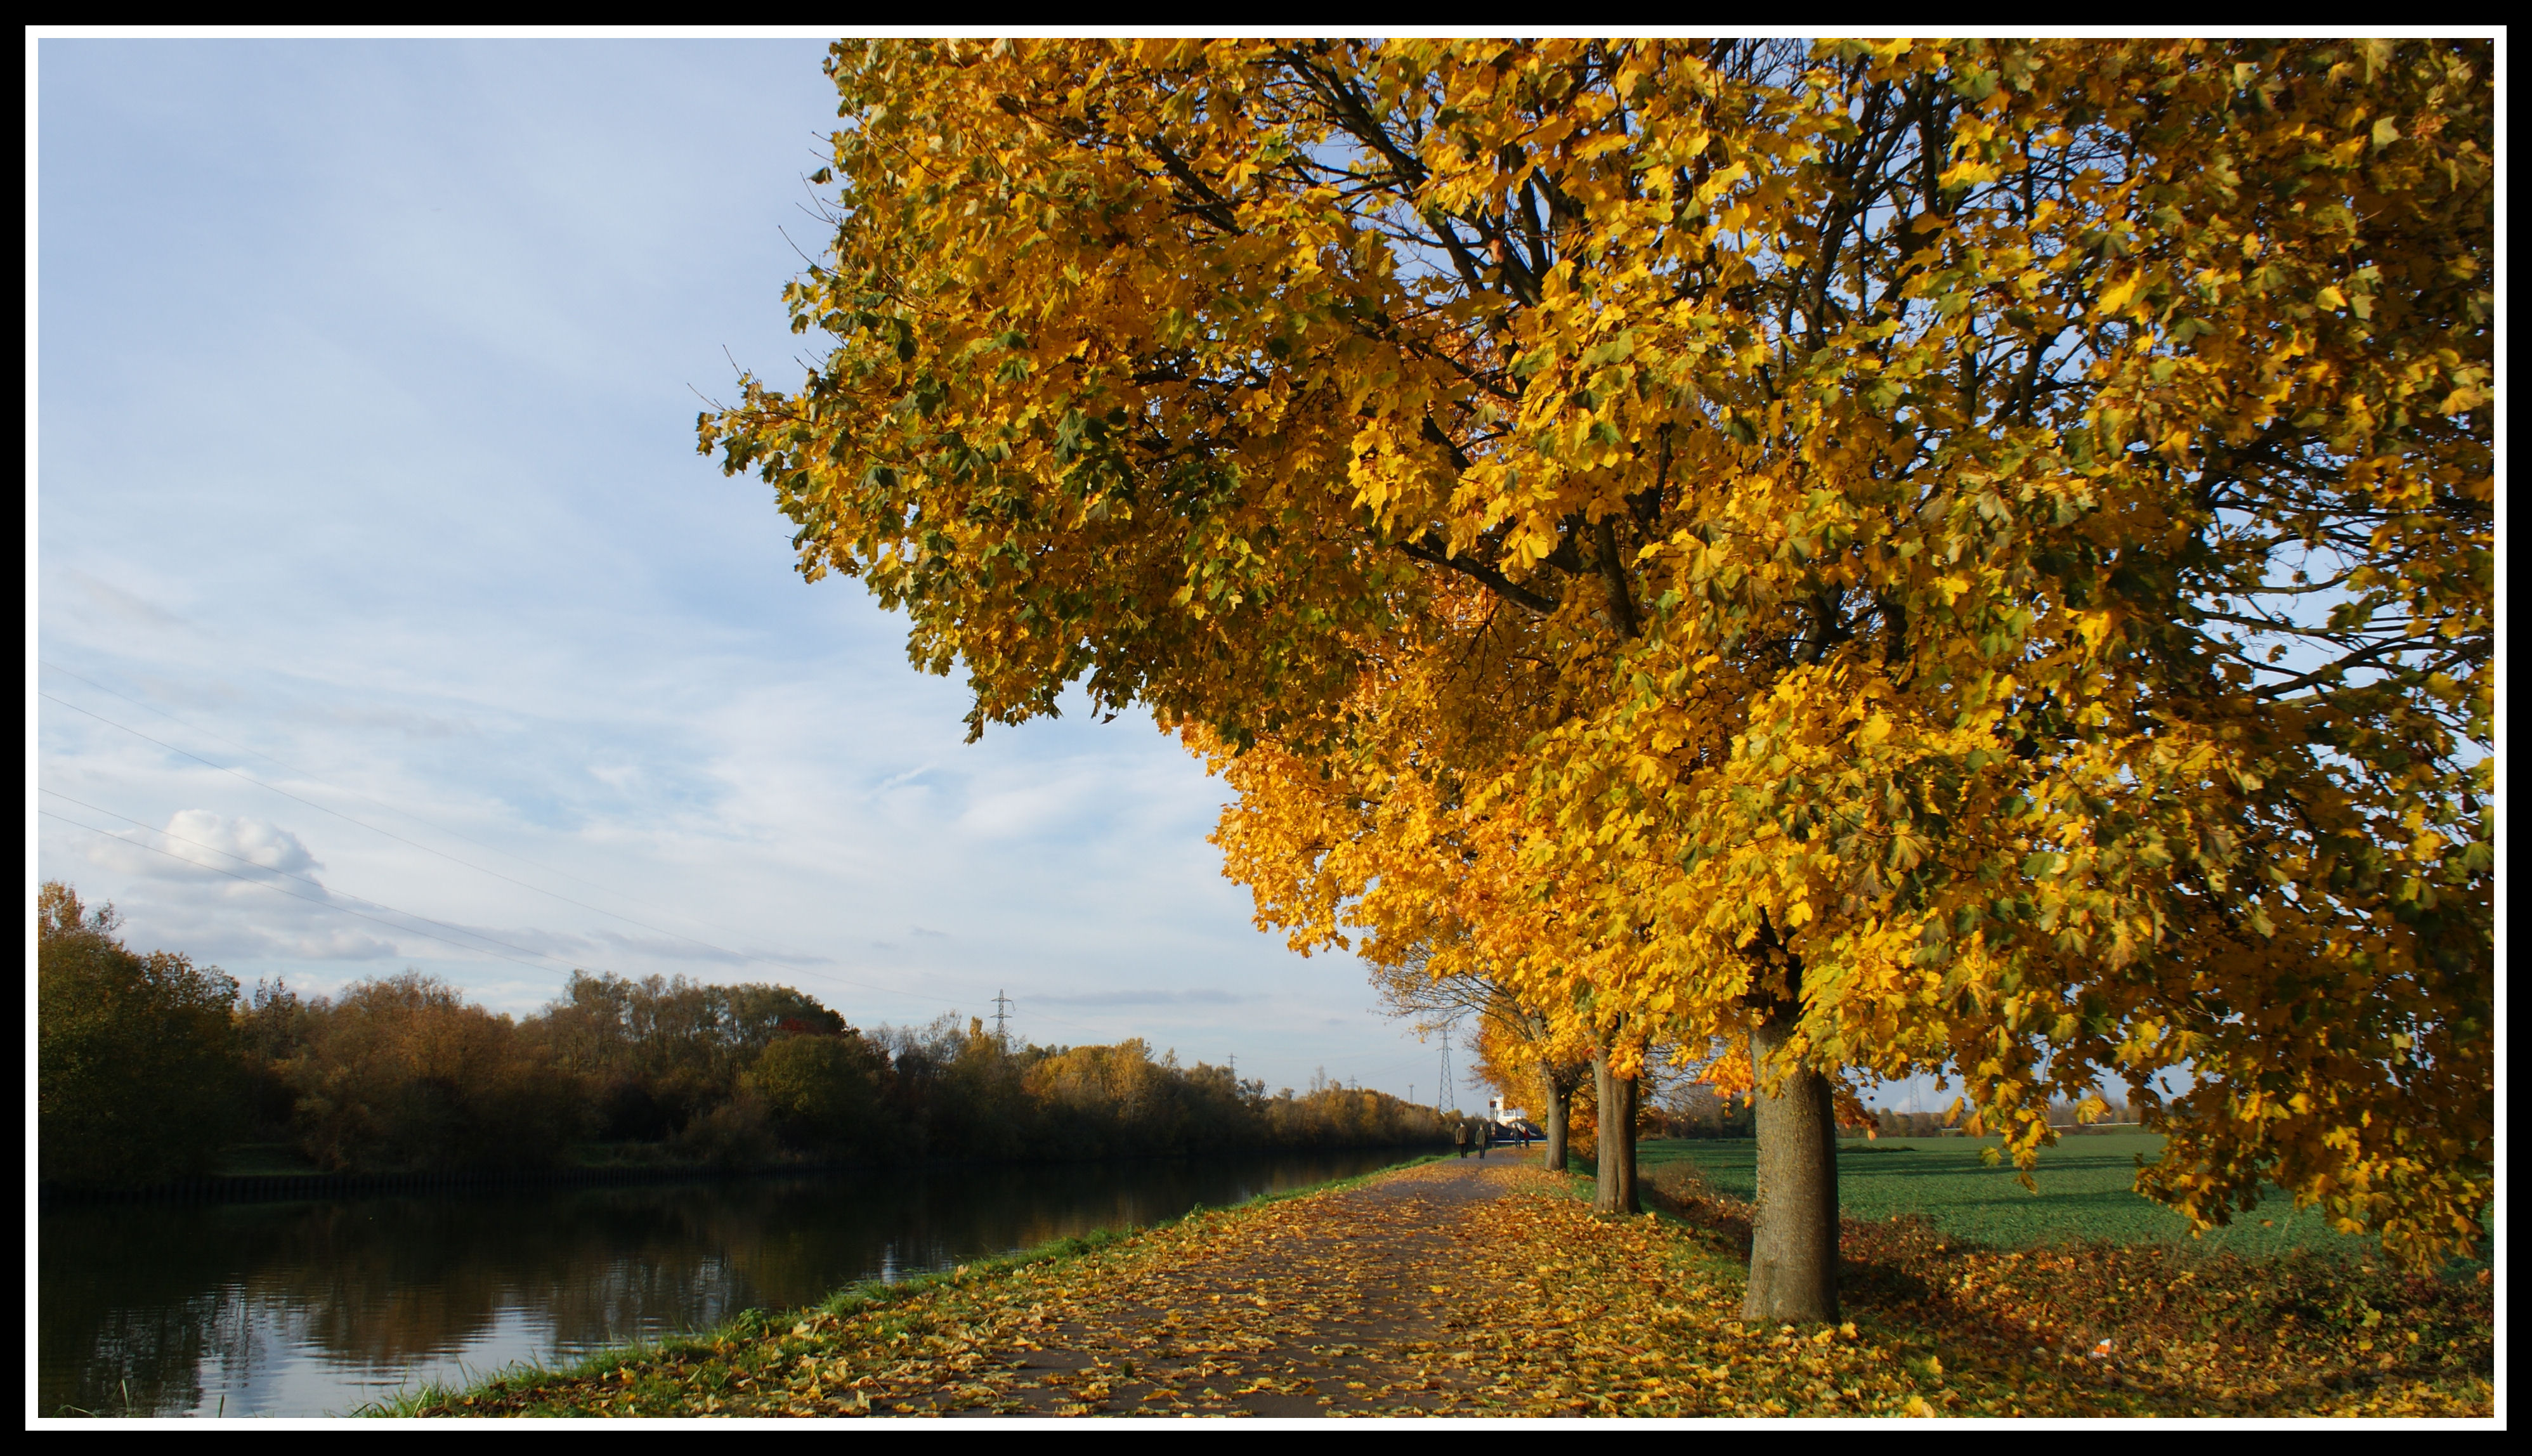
[(1485, 1139), (1464, 1139)]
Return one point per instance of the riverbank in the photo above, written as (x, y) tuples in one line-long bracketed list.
[(259, 1180), (1468, 1287)]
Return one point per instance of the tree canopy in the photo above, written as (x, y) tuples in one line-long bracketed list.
[(1977, 553)]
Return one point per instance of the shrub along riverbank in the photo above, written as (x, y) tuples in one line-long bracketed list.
[(149, 1066)]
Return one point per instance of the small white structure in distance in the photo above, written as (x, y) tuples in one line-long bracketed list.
[(1497, 1113)]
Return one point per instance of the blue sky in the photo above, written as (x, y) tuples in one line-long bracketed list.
[(366, 382)]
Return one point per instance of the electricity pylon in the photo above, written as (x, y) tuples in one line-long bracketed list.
[(1445, 1071)]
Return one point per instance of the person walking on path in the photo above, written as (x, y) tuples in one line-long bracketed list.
[(1464, 1139), (1485, 1138)]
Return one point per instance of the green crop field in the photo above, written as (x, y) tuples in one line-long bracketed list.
[(2085, 1193)]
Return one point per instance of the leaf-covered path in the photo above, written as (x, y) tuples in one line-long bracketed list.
[(1350, 1302), (1333, 1302), (1488, 1287)]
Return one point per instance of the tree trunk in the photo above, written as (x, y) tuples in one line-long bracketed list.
[(1557, 1118), (1793, 1233), (1614, 1192)]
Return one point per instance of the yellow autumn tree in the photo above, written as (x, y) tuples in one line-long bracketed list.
[(2001, 532)]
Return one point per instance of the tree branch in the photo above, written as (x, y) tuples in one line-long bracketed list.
[(1622, 601), (1430, 549), (1210, 205), (2330, 670)]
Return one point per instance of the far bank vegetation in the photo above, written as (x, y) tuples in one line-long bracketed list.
[(149, 1066)]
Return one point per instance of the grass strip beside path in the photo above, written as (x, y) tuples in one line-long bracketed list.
[(1467, 1287)]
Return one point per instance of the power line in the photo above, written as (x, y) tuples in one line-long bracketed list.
[(445, 830), (331, 905), (568, 961), (415, 914), (284, 873), (278, 890), (400, 839), (338, 788), (461, 930), (1384, 1068), (496, 874)]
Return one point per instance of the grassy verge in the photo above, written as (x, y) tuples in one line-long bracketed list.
[(2084, 1192), (536, 1390)]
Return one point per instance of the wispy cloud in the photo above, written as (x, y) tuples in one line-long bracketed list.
[(1147, 997), (901, 780), (671, 948), (126, 609)]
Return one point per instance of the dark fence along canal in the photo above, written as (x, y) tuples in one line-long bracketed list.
[(321, 1305)]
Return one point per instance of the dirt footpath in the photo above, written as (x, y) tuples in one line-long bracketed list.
[(1344, 1305)]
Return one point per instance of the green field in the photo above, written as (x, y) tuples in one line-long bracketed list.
[(2085, 1193)]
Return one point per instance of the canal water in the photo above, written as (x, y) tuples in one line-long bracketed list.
[(321, 1306)]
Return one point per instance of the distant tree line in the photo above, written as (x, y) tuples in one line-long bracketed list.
[(1686, 1108), (1692, 1110), (149, 1065)]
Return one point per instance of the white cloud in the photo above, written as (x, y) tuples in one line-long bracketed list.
[(200, 834), (199, 845)]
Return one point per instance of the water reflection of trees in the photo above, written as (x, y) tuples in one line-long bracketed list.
[(164, 1298)]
